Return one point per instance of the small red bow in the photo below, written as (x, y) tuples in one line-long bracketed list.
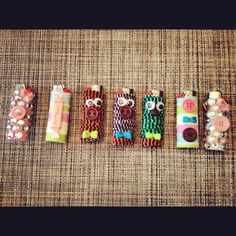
[(180, 95), (224, 106)]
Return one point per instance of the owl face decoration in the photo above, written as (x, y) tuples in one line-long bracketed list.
[(153, 119), (216, 111), (124, 117), (92, 129)]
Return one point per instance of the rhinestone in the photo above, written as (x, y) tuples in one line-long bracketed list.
[(15, 128), (211, 101), (207, 145), (215, 94), (215, 145), (26, 99), (13, 103), (21, 103), (211, 139), (224, 134), (29, 106), (17, 98), (13, 120), (9, 127), (219, 114), (214, 108), (16, 92), (26, 117), (216, 134), (208, 126), (19, 135), (10, 134), (25, 128), (20, 122), (212, 128), (211, 114)]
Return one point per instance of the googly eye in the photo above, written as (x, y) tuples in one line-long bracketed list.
[(130, 102), (89, 102), (160, 106), (122, 101), (97, 102), (150, 105)]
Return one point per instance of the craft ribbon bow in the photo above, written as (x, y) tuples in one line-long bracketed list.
[(156, 136), (88, 134), (187, 119), (127, 134)]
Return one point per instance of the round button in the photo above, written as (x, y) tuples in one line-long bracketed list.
[(91, 113), (125, 112), (18, 112), (190, 134), (189, 105), (221, 123)]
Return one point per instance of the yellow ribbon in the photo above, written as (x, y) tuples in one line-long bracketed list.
[(88, 134), (156, 136)]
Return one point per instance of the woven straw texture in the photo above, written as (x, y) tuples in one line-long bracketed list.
[(39, 173)]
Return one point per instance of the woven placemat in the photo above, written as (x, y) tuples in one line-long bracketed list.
[(39, 173)]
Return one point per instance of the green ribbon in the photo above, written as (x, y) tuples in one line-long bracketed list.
[(156, 136), (88, 134)]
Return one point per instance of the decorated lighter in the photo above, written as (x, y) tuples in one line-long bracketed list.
[(124, 117), (21, 111), (216, 111), (153, 119), (92, 129), (58, 116), (187, 120)]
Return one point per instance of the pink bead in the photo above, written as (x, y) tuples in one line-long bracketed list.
[(214, 108), (221, 102), (227, 108), (222, 140)]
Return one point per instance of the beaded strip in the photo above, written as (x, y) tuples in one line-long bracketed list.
[(92, 127), (124, 118), (21, 111), (153, 119), (216, 112)]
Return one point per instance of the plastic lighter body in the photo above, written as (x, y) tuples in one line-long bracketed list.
[(153, 119), (21, 112), (216, 112), (124, 117), (58, 116), (92, 124), (187, 120)]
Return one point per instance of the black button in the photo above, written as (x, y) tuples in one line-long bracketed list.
[(190, 135)]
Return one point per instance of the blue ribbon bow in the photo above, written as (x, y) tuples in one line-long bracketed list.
[(127, 134), (187, 119)]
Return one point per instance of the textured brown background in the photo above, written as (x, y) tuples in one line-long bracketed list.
[(37, 173)]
